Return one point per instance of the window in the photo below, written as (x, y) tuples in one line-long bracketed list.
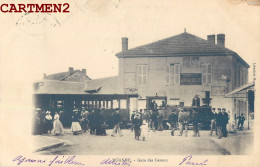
[(123, 104), (141, 74), (115, 104), (172, 74), (169, 74), (206, 74), (59, 104)]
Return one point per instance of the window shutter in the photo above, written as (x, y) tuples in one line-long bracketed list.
[(177, 74), (204, 74), (171, 74), (209, 74), (167, 74)]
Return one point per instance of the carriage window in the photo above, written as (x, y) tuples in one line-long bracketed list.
[(123, 104), (90, 104), (97, 104), (115, 104), (108, 104), (101, 104)]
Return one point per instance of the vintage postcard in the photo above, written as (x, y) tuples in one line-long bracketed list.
[(129, 83)]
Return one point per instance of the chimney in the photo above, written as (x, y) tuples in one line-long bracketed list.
[(211, 39), (70, 70), (44, 75), (124, 44), (221, 40), (84, 71)]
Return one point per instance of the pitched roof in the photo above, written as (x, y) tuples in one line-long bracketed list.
[(62, 75), (60, 87), (96, 84), (239, 89), (107, 85), (184, 44)]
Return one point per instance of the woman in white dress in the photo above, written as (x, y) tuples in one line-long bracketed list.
[(144, 130), (57, 125), (75, 126)]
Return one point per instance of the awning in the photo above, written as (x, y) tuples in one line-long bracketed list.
[(244, 87)]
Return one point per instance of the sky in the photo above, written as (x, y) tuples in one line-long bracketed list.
[(90, 36)]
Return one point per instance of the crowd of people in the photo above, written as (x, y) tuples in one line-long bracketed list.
[(142, 122), (82, 121), (181, 118)]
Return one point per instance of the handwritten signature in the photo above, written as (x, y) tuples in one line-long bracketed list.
[(57, 160), (187, 161), (114, 162)]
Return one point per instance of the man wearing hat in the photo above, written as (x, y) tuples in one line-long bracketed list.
[(132, 118), (173, 119), (225, 122), (137, 122), (219, 123), (116, 120), (196, 101), (213, 121), (91, 122), (184, 118)]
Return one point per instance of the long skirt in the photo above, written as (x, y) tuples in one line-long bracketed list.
[(144, 131), (75, 127), (57, 127), (137, 131)]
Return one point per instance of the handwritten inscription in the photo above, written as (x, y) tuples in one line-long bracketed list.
[(57, 160), (109, 161), (187, 160)]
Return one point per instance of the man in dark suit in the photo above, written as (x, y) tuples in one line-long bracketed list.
[(132, 118), (117, 121), (154, 119), (195, 121), (213, 122), (173, 119), (241, 120), (196, 101), (225, 122), (219, 123), (91, 122)]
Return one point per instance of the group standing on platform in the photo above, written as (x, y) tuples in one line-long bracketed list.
[(142, 121)]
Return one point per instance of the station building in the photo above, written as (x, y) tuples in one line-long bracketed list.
[(170, 71), (177, 68)]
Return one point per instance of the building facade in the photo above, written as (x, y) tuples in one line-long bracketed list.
[(179, 67)]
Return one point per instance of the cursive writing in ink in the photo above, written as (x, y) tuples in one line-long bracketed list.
[(187, 161)]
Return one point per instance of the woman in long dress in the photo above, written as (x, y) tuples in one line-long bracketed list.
[(75, 126), (57, 125), (144, 130)]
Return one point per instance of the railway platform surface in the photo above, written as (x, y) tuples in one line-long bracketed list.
[(157, 143)]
